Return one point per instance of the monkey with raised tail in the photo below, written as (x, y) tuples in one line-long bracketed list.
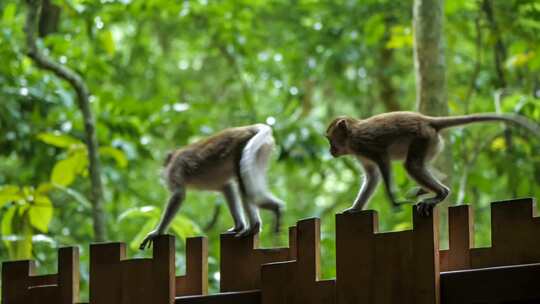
[(408, 136), (233, 162)]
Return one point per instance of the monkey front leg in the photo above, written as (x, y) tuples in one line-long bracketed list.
[(384, 167), (174, 203), (233, 202), (371, 179)]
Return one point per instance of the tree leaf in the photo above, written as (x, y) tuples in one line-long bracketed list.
[(65, 171), (44, 188), (107, 41), (374, 28), (7, 221), (144, 211), (58, 139), (9, 13), (115, 153), (40, 213), (183, 227), (79, 197), (10, 194)]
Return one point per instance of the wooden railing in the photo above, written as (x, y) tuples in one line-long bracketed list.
[(371, 267)]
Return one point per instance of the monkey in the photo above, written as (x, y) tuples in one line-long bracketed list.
[(407, 136), (233, 162)]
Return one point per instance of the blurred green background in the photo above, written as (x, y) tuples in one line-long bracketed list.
[(165, 73)]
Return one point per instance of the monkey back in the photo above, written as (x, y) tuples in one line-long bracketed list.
[(208, 163)]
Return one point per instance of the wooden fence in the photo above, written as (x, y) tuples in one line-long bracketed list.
[(372, 268)]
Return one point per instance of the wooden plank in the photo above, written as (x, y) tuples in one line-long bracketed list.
[(309, 288), (137, 281), (236, 271), (238, 297), (105, 272), (68, 275), (298, 281), (386, 268), (515, 241), (514, 235), (507, 284), (41, 280), (425, 246), (308, 251), (15, 281), (195, 281), (44, 294), (241, 261), (355, 256), (461, 239), (275, 281), (391, 280), (163, 266), (292, 243)]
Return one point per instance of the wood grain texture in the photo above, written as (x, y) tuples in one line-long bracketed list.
[(298, 281), (136, 282), (508, 284), (105, 272), (241, 260), (371, 267), (355, 234), (15, 281), (237, 297), (20, 285), (195, 281), (392, 267), (461, 239), (514, 233)]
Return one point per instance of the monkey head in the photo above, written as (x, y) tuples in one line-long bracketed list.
[(338, 136)]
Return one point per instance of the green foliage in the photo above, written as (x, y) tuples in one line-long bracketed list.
[(166, 73), (29, 211)]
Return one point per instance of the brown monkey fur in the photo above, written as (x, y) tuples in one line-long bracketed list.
[(408, 136)]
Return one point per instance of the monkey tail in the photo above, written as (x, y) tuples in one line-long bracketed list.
[(440, 123), (254, 162)]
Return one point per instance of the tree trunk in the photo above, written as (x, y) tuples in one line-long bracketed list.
[(75, 80), (387, 90), (430, 68), (429, 61)]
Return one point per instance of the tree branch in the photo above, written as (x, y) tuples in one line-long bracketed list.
[(76, 81), (499, 56), (469, 163)]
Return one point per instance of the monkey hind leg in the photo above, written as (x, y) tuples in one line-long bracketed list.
[(276, 206), (254, 162), (416, 167)]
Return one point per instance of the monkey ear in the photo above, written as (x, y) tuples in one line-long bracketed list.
[(343, 126)]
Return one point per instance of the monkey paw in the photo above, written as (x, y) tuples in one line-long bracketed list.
[(147, 242), (235, 230), (249, 231), (425, 208)]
